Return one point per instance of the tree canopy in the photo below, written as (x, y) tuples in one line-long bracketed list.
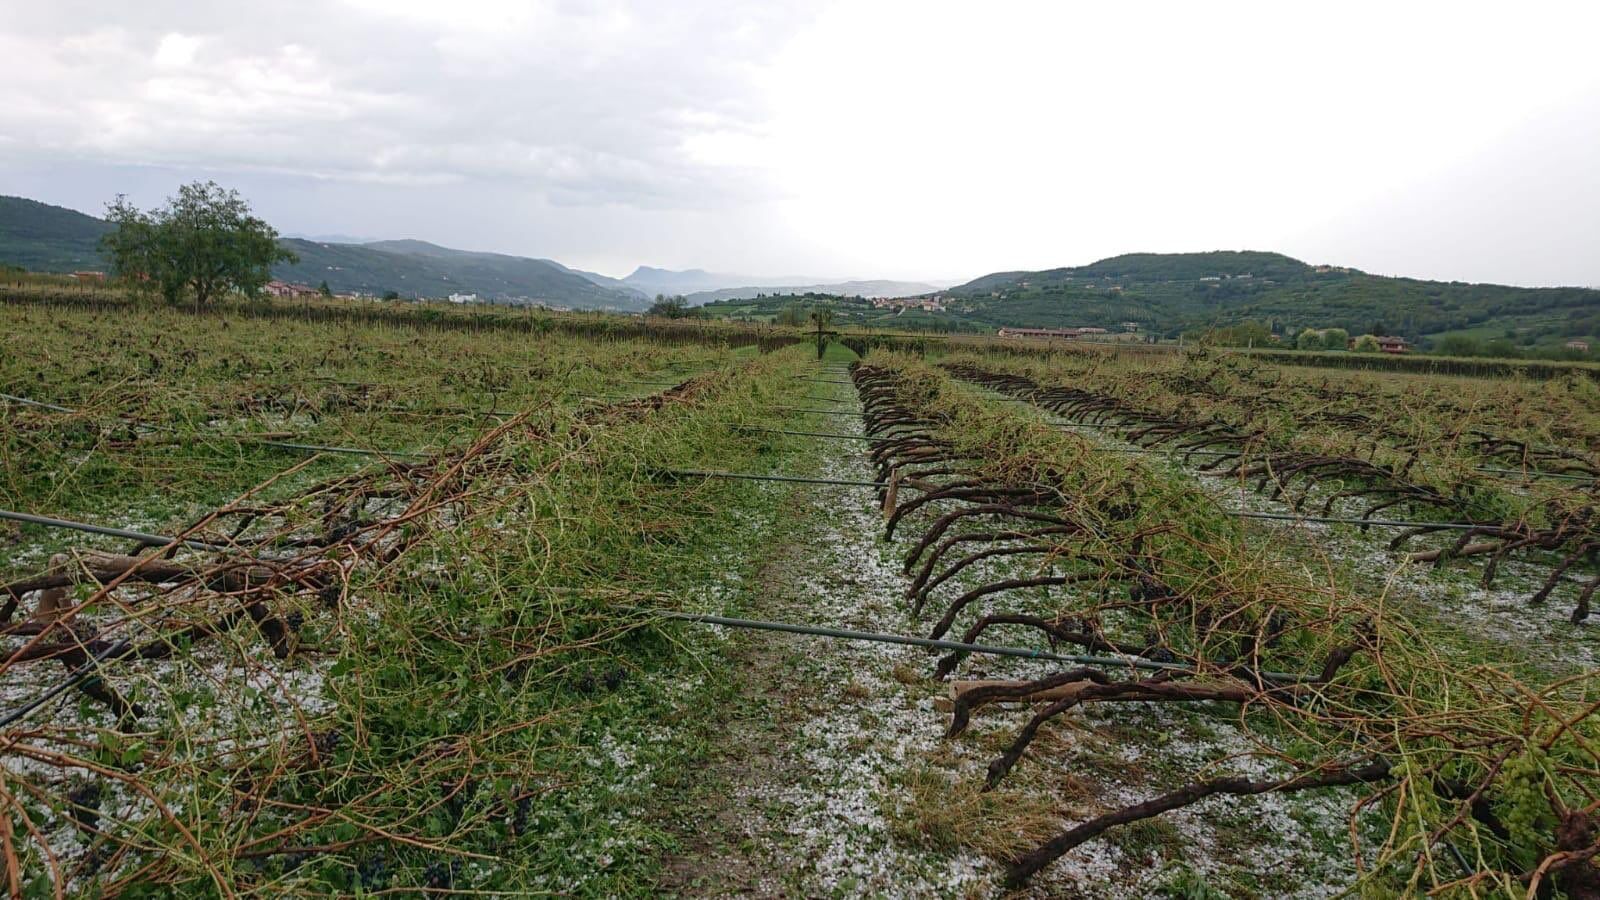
[(204, 242), (1249, 333), (670, 307)]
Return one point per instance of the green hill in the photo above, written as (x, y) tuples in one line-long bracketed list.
[(1171, 293), (45, 238), (420, 269), (423, 248)]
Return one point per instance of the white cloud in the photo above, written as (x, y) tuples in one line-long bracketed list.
[(176, 50), (1034, 135), (874, 136), (583, 100)]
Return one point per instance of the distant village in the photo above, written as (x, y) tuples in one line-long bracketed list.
[(290, 290), (927, 304), (1381, 343)]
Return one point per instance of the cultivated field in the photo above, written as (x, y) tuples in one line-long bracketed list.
[(397, 615)]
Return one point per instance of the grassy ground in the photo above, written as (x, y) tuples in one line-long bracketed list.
[(493, 708), (827, 774), (162, 395), (480, 711)]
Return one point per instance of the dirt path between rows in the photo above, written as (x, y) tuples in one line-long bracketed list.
[(792, 801), (827, 774)]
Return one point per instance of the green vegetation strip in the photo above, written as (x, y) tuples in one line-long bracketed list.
[(432, 727), (1175, 451), (1481, 775), (396, 385), (994, 397)]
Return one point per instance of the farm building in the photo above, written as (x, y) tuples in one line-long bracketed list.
[(285, 289), (1063, 333), (1393, 344), (1580, 346)]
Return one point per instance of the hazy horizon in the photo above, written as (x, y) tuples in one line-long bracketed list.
[(867, 140)]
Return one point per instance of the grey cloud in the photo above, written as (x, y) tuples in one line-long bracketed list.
[(869, 137), (584, 103)]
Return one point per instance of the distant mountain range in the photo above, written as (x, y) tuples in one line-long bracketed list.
[(42, 237), (1162, 293), (688, 282), (330, 238), (699, 287), (869, 289)]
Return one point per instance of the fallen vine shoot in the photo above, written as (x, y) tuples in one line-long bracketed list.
[(352, 604)]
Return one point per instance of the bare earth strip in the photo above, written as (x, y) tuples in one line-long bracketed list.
[(828, 774), (792, 802)]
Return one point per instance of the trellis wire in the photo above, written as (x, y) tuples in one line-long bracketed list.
[(1237, 513), (988, 649), (149, 540)]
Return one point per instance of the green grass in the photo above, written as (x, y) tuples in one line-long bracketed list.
[(489, 709), (1408, 677), (198, 380), (499, 660)]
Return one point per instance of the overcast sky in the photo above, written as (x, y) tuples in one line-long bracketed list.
[(862, 138)]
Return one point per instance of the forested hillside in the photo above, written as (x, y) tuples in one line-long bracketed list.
[(41, 237), (419, 269), (44, 238), (1171, 293)]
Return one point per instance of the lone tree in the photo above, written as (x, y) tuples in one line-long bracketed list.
[(204, 242), (671, 307)]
